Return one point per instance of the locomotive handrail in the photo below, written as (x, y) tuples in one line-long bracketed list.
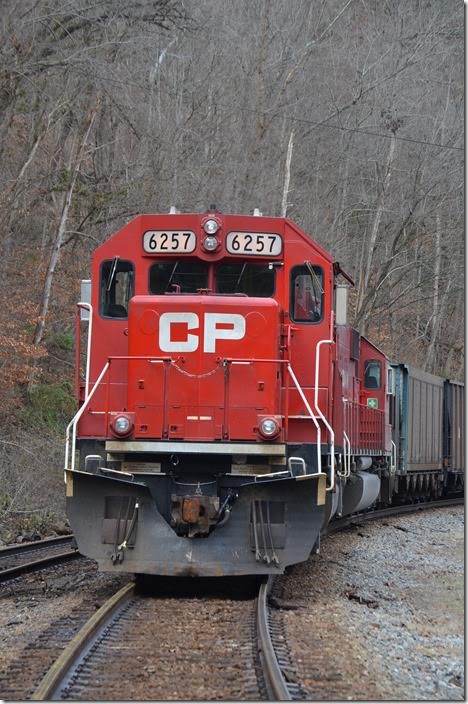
[(365, 426), (297, 460), (74, 421), (307, 405), (346, 456), (324, 420), (72, 426), (311, 413), (393, 459), (89, 307)]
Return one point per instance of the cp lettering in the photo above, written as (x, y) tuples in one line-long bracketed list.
[(233, 328)]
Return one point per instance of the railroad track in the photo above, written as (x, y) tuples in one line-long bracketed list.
[(93, 666), (166, 640), (92, 655), (16, 560)]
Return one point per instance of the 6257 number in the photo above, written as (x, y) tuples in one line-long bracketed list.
[(259, 243), (156, 241)]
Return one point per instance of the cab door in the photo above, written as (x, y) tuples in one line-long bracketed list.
[(309, 320)]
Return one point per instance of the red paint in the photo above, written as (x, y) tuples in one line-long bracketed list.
[(203, 394)]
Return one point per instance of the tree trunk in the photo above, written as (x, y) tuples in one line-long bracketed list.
[(430, 363), (287, 176), (54, 257), (362, 313)]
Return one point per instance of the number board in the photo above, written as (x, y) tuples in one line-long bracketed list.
[(259, 243), (156, 241)]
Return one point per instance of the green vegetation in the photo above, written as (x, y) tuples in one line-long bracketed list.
[(61, 340), (50, 406)]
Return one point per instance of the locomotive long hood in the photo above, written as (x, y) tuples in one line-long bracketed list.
[(203, 367)]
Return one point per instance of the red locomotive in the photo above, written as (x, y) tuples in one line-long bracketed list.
[(228, 410)]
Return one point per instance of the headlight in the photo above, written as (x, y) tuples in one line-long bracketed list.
[(122, 425), (210, 243), (211, 227), (269, 427)]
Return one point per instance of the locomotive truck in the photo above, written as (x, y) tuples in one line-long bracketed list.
[(227, 410)]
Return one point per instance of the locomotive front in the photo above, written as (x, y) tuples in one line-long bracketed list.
[(200, 445)]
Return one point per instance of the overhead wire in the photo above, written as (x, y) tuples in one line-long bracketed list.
[(305, 121)]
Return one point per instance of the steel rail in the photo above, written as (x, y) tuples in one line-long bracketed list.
[(34, 565), (37, 564), (275, 682), (52, 681), (34, 545), (340, 523)]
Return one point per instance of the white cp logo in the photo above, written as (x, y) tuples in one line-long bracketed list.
[(234, 330)]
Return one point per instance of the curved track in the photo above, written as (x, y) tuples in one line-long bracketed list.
[(166, 640), (16, 560), (273, 654), (125, 626), (376, 514), (124, 614)]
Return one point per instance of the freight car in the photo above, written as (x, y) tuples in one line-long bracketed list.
[(428, 432), (227, 409)]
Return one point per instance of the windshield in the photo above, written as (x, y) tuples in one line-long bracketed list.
[(191, 275), (248, 278), (178, 276)]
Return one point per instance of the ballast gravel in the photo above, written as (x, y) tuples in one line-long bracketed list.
[(40, 613), (380, 611)]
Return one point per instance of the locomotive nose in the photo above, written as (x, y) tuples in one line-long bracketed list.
[(204, 368)]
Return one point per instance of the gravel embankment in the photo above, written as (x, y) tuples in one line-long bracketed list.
[(380, 611)]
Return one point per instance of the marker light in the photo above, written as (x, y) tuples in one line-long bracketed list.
[(269, 427), (211, 227), (121, 425), (210, 243)]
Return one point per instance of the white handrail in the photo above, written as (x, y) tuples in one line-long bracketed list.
[(344, 471), (347, 454), (312, 415), (319, 412), (393, 458), (74, 421), (89, 307), (297, 460)]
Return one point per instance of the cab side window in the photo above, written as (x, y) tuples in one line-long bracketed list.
[(372, 374), (117, 287), (306, 304)]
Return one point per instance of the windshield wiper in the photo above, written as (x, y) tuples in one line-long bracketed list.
[(112, 273), (240, 276), (171, 276), (317, 286)]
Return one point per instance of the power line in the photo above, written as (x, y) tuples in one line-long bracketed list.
[(303, 120)]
